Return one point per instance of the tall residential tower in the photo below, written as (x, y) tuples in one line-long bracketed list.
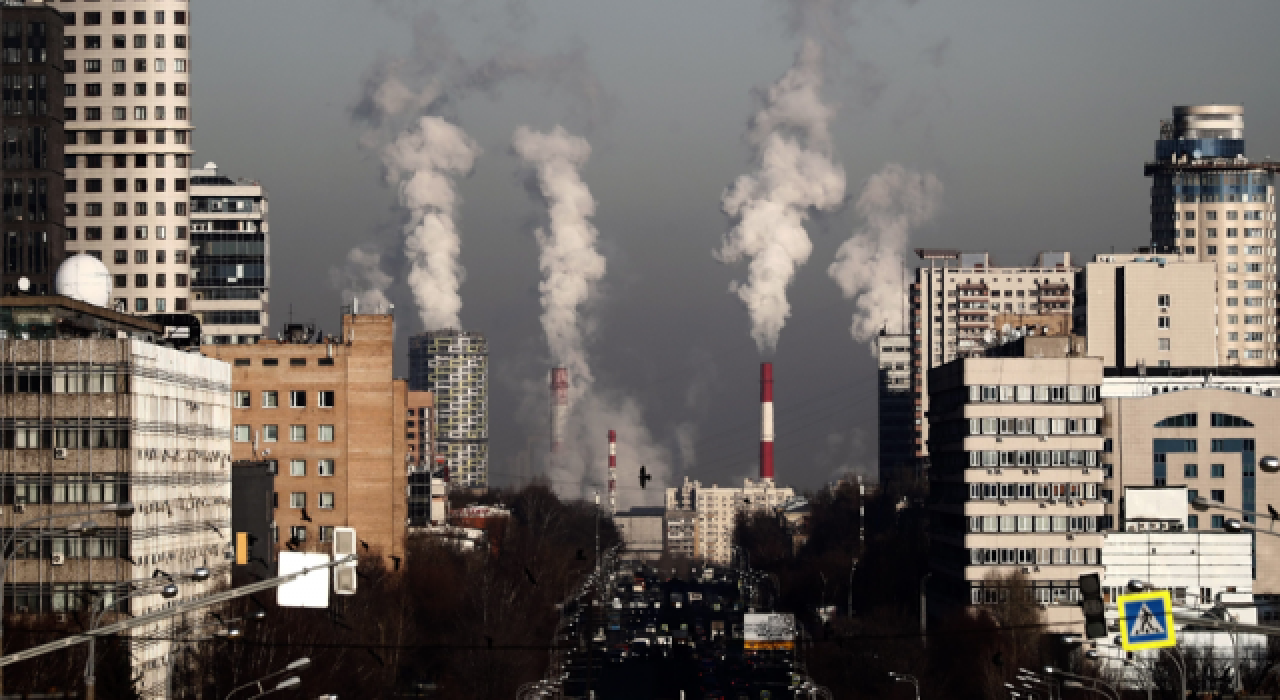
[(454, 366), (31, 124), (1208, 201), (128, 133)]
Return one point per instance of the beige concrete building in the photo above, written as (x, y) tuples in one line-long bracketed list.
[(1149, 311), (1015, 478), (99, 416), (1209, 202), (129, 144), (715, 510), (962, 303), (332, 418), (1206, 432)]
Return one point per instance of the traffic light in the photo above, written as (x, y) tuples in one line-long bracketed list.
[(1095, 619)]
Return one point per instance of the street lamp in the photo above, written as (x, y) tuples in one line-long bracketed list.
[(296, 665), (1051, 671), (168, 590), (12, 545), (285, 684), (906, 678)]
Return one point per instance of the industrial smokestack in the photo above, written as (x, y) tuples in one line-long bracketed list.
[(559, 408), (766, 421), (613, 473)]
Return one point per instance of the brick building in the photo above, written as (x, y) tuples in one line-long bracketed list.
[(327, 411)]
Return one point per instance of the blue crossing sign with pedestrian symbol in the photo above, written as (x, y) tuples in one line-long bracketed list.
[(1146, 621)]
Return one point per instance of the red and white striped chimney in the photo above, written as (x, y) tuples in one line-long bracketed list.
[(613, 472), (766, 421)]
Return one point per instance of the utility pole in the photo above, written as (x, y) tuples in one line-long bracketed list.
[(924, 641)]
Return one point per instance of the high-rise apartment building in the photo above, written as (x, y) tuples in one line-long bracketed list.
[(230, 257), (1014, 478), (128, 142), (1208, 201), (454, 366), (896, 405), (329, 414), (97, 416), (962, 303), (31, 125), (1149, 311)]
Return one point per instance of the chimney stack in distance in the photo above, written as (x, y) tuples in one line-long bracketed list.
[(559, 410), (613, 473), (766, 421)]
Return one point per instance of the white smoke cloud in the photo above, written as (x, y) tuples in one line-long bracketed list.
[(421, 165), (361, 277), (795, 175), (407, 110), (570, 264), (870, 265), (571, 269)]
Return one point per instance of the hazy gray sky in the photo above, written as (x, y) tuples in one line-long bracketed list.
[(1036, 117)]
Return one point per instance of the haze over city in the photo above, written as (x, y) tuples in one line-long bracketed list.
[(1034, 119)]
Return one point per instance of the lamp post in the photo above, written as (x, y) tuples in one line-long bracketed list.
[(1050, 670), (168, 590), (230, 629), (924, 641), (296, 665), (11, 545), (906, 678)]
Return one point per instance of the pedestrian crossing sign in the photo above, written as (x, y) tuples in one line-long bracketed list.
[(1146, 621)]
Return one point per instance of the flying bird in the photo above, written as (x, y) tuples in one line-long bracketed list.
[(529, 575), (397, 562), (365, 545), (305, 517), (1272, 510), (645, 476)]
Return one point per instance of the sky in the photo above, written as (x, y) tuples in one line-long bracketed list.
[(1035, 118)]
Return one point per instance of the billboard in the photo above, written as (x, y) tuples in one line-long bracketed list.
[(308, 591), (769, 631)]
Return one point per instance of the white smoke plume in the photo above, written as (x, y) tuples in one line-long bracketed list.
[(870, 265), (402, 109), (794, 175), (567, 244), (571, 269), (421, 165), (362, 278)]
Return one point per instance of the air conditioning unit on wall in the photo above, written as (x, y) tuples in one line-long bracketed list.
[(59, 559)]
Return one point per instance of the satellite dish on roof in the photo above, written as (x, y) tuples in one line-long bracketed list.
[(84, 278)]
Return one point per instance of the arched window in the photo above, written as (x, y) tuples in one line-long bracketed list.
[(1185, 420), (1226, 420)]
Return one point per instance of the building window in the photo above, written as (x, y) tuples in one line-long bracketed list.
[(325, 433), (1193, 522), (1218, 471), (324, 467), (1162, 322), (242, 433), (270, 433), (298, 533), (297, 467), (326, 399), (1218, 496), (270, 399), (1216, 522), (297, 399), (1190, 471), (1163, 344), (326, 500), (326, 533), (298, 433), (241, 399)]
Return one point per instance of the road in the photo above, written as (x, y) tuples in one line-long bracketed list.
[(637, 632)]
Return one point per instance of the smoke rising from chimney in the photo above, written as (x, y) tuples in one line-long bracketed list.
[(570, 264), (362, 278), (794, 174), (571, 270), (421, 165), (870, 265), (404, 103)]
